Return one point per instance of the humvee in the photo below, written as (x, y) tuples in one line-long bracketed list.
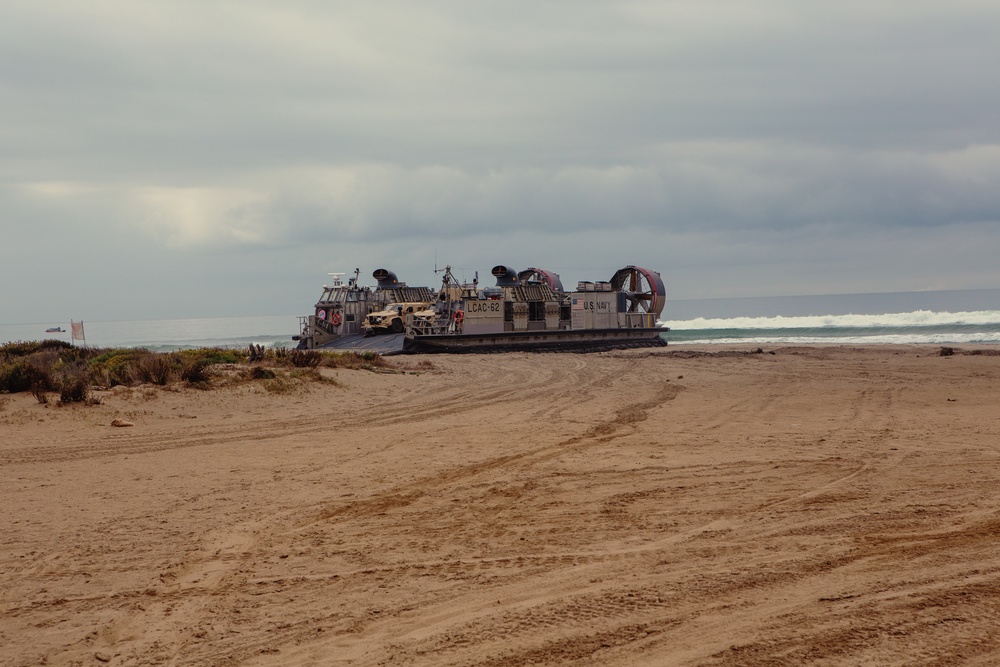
[(393, 318)]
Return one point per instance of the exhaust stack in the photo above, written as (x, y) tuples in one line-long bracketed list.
[(506, 276), (386, 278)]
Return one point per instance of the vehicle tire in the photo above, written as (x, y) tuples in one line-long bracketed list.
[(397, 326)]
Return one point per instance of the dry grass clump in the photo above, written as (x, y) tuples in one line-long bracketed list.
[(303, 358), (74, 389), (313, 375), (53, 366), (156, 369), (422, 366), (45, 367), (284, 381), (196, 371), (261, 373), (281, 385), (130, 367), (318, 359), (355, 360), (949, 351)]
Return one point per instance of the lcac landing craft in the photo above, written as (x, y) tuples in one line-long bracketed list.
[(526, 310)]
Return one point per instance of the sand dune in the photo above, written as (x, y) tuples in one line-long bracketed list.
[(669, 507)]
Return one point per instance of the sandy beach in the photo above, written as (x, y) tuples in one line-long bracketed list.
[(834, 506)]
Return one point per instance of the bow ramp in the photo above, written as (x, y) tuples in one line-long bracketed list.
[(384, 345)]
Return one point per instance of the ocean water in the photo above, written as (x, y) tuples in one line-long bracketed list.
[(944, 317), (169, 335), (935, 317)]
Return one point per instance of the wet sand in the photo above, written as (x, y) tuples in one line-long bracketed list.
[(834, 506)]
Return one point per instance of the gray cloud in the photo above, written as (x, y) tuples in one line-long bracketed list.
[(744, 149)]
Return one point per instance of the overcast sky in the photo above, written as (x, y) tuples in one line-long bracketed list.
[(185, 159)]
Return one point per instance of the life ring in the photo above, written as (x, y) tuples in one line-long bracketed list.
[(335, 319), (459, 316)]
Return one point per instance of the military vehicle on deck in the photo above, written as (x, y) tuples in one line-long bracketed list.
[(407, 301), (393, 318), (342, 309)]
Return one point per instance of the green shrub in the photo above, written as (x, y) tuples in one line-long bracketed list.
[(196, 371), (74, 389), (14, 376), (153, 368), (354, 360), (25, 348), (305, 358), (258, 373), (39, 392), (40, 370), (114, 367), (213, 355), (34, 373), (53, 365)]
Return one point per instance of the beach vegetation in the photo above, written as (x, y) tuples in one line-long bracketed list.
[(293, 380), (27, 348), (40, 394), (53, 366), (157, 369), (110, 368), (196, 371), (355, 360), (261, 373), (305, 358), (422, 366), (322, 359), (212, 355), (281, 385), (311, 374), (74, 386), (14, 376)]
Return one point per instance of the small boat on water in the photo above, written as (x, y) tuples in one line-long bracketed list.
[(55, 330)]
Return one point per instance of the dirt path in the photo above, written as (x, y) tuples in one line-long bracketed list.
[(829, 506)]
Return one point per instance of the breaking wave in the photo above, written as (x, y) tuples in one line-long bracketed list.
[(920, 326), (917, 318)]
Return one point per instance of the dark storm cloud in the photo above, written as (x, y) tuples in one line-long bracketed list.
[(719, 140)]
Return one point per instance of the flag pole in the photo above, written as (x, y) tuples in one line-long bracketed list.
[(78, 332)]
